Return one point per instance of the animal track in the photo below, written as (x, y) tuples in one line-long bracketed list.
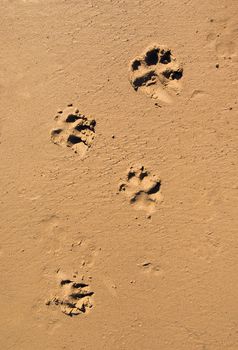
[(224, 46), (74, 297), (156, 73), (74, 130), (142, 189), (222, 39)]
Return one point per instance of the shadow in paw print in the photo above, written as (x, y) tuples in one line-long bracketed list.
[(151, 57)]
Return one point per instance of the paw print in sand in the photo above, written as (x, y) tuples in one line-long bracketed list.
[(156, 73), (74, 297), (73, 130), (142, 189)]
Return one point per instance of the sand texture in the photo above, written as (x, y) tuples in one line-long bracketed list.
[(118, 142)]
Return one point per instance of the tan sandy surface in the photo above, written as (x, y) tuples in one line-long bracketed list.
[(157, 244)]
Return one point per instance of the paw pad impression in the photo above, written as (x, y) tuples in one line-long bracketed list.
[(156, 73), (141, 188), (73, 130), (74, 297)]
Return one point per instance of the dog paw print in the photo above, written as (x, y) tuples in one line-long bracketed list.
[(73, 130), (156, 73), (142, 189), (74, 297)]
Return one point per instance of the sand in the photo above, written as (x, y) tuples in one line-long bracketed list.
[(118, 141)]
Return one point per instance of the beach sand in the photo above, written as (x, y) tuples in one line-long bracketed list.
[(118, 141)]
